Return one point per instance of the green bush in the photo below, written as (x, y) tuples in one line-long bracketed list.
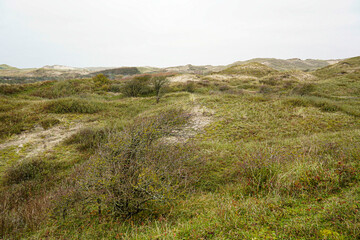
[(134, 171), (49, 122), (101, 80), (65, 88), (72, 105), (14, 122), (88, 138), (265, 89), (137, 86), (325, 105), (190, 87), (26, 170), (259, 175), (8, 89), (303, 89), (116, 88)]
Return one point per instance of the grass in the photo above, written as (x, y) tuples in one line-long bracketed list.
[(249, 69), (73, 105), (278, 160)]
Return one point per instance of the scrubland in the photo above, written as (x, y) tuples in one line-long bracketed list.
[(267, 154)]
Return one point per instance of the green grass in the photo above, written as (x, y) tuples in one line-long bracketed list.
[(278, 160), (250, 69), (73, 105)]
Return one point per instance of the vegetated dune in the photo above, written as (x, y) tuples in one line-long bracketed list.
[(249, 69), (246, 152), (10, 74), (348, 67), (290, 64)]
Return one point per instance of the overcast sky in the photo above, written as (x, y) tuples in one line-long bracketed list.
[(174, 32)]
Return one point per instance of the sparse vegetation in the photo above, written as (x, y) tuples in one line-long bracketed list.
[(273, 155), (159, 83), (73, 105)]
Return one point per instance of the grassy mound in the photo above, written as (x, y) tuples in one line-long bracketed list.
[(250, 69), (73, 105)]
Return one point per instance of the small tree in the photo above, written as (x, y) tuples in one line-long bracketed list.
[(136, 86), (159, 82), (101, 80)]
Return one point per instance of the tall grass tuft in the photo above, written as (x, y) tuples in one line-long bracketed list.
[(73, 105)]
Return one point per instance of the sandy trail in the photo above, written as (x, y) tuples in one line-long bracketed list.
[(40, 140), (200, 118)]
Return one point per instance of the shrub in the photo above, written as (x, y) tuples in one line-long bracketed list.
[(158, 83), (115, 88), (224, 88), (321, 103), (49, 122), (133, 172), (101, 80), (14, 122), (137, 86), (26, 170), (270, 81), (25, 196), (297, 102), (265, 89), (190, 87), (121, 71), (8, 89), (72, 105), (303, 89), (88, 138), (259, 175), (64, 88)]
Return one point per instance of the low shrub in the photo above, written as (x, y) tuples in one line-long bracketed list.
[(88, 138), (137, 86), (321, 103), (116, 88), (259, 174), (101, 80), (135, 172), (65, 88), (303, 89), (25, 197), (49, 122), (190, 87), (27, 170), (72, 105), (8, 89), (224, 88), (14, 122), (265, 89)]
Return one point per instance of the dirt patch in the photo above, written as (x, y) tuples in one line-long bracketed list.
[(185, 78), (200, 117), (222, 77), (39, 140)]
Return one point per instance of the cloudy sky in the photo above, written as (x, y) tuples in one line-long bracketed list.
[(174, 32)]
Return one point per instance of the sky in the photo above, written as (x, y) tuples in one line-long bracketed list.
[(114, 33)]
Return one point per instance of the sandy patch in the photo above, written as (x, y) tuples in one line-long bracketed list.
[(200, 117), (184, 78), (40, 140)]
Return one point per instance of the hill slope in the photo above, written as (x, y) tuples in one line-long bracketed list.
[(6, 67), (350, 66), (290, 64), (246, 153), (253, 69)]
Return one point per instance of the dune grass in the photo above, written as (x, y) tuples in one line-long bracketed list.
[(278, 160)]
